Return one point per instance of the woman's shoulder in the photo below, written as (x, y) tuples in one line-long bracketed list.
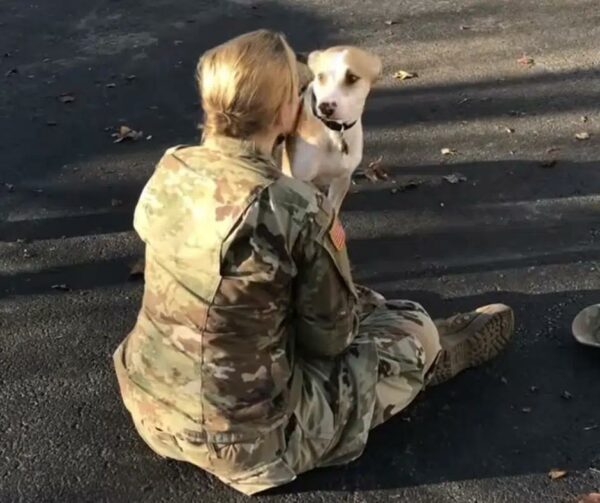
[(299, 198)]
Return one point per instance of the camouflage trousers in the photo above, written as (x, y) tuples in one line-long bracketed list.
[(341, 401)]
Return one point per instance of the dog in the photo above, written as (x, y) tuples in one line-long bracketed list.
[(327, 144)]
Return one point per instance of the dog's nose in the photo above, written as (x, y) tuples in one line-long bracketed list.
[(327, 108)]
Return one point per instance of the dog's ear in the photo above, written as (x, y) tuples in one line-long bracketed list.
[(376, 68), (313, 61), (366, 64)]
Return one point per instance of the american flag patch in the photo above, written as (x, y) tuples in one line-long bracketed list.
[(337, 234)]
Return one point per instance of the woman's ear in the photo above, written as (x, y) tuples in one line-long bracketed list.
[(313, 60)]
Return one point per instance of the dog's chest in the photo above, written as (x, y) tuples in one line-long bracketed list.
[(342, 153)]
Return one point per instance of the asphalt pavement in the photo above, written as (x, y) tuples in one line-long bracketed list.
[(506, 87)]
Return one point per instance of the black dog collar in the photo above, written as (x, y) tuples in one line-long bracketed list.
[(333, 125)]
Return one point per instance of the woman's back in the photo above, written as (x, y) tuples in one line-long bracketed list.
[(212, 341)]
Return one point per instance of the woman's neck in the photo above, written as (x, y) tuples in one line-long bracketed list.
[(265, 141)]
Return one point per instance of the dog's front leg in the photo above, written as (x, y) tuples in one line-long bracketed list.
[(337, 192)]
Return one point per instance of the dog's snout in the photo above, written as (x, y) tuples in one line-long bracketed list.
[(327, 108)]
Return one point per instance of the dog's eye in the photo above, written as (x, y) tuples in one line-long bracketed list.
[(351, 78)]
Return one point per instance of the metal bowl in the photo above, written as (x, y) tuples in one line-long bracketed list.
[(586, 326)]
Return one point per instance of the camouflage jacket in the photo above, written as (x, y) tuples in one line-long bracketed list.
[(246, 269)]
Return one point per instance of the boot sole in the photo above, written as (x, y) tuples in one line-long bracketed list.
[(490, 334)]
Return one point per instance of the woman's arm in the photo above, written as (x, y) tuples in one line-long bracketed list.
[(324, 294)]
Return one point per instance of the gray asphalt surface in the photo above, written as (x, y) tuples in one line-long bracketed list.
[(514, 232)]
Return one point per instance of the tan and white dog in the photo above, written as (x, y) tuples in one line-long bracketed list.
[(327, 145)]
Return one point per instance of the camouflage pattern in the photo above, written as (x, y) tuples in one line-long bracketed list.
[(586, 326), (254, 356)]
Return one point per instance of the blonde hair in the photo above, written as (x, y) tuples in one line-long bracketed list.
[(245, 82)]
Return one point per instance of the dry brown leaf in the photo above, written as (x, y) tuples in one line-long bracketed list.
[(404, 75), (137, 269), (62, 287), (66, 98), (556, 473), (590, 498), (566, 395), (584, 135), (526, 60), (455, 178), (448, 151), (126, 133), (550, 163)]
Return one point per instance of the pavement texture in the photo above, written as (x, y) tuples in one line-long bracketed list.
[(523, 228)]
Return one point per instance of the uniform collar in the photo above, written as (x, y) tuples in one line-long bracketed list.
[(237, 147)]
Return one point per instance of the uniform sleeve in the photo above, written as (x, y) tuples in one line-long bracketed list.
[(324, 294)]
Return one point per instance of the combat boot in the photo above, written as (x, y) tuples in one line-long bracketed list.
[(471, 339)]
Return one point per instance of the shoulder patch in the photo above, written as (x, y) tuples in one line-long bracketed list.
[(337, 234)]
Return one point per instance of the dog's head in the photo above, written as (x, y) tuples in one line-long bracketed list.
[(343, 78)]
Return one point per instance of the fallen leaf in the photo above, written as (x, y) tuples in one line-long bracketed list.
[(178, 42), (509, 130), (464, 27), (526, 410), (455, 178), (111, 85), (552, 149), (374, 172), (526, 60), (149, 137), (584, 118), (126, 133), (584, 135), (404, 75), (10, 187), (66, 98), (448, 151), (504, 380), (566, 395), (555, 473), (12, 71), (590, 498), (130, 77), (62, 287), (390, 22), (591, 427), (550, 163), (137, 269)]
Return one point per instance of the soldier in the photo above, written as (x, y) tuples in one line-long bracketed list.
[(254, 356)]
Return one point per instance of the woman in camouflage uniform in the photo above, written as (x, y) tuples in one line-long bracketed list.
[(254, 355)]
